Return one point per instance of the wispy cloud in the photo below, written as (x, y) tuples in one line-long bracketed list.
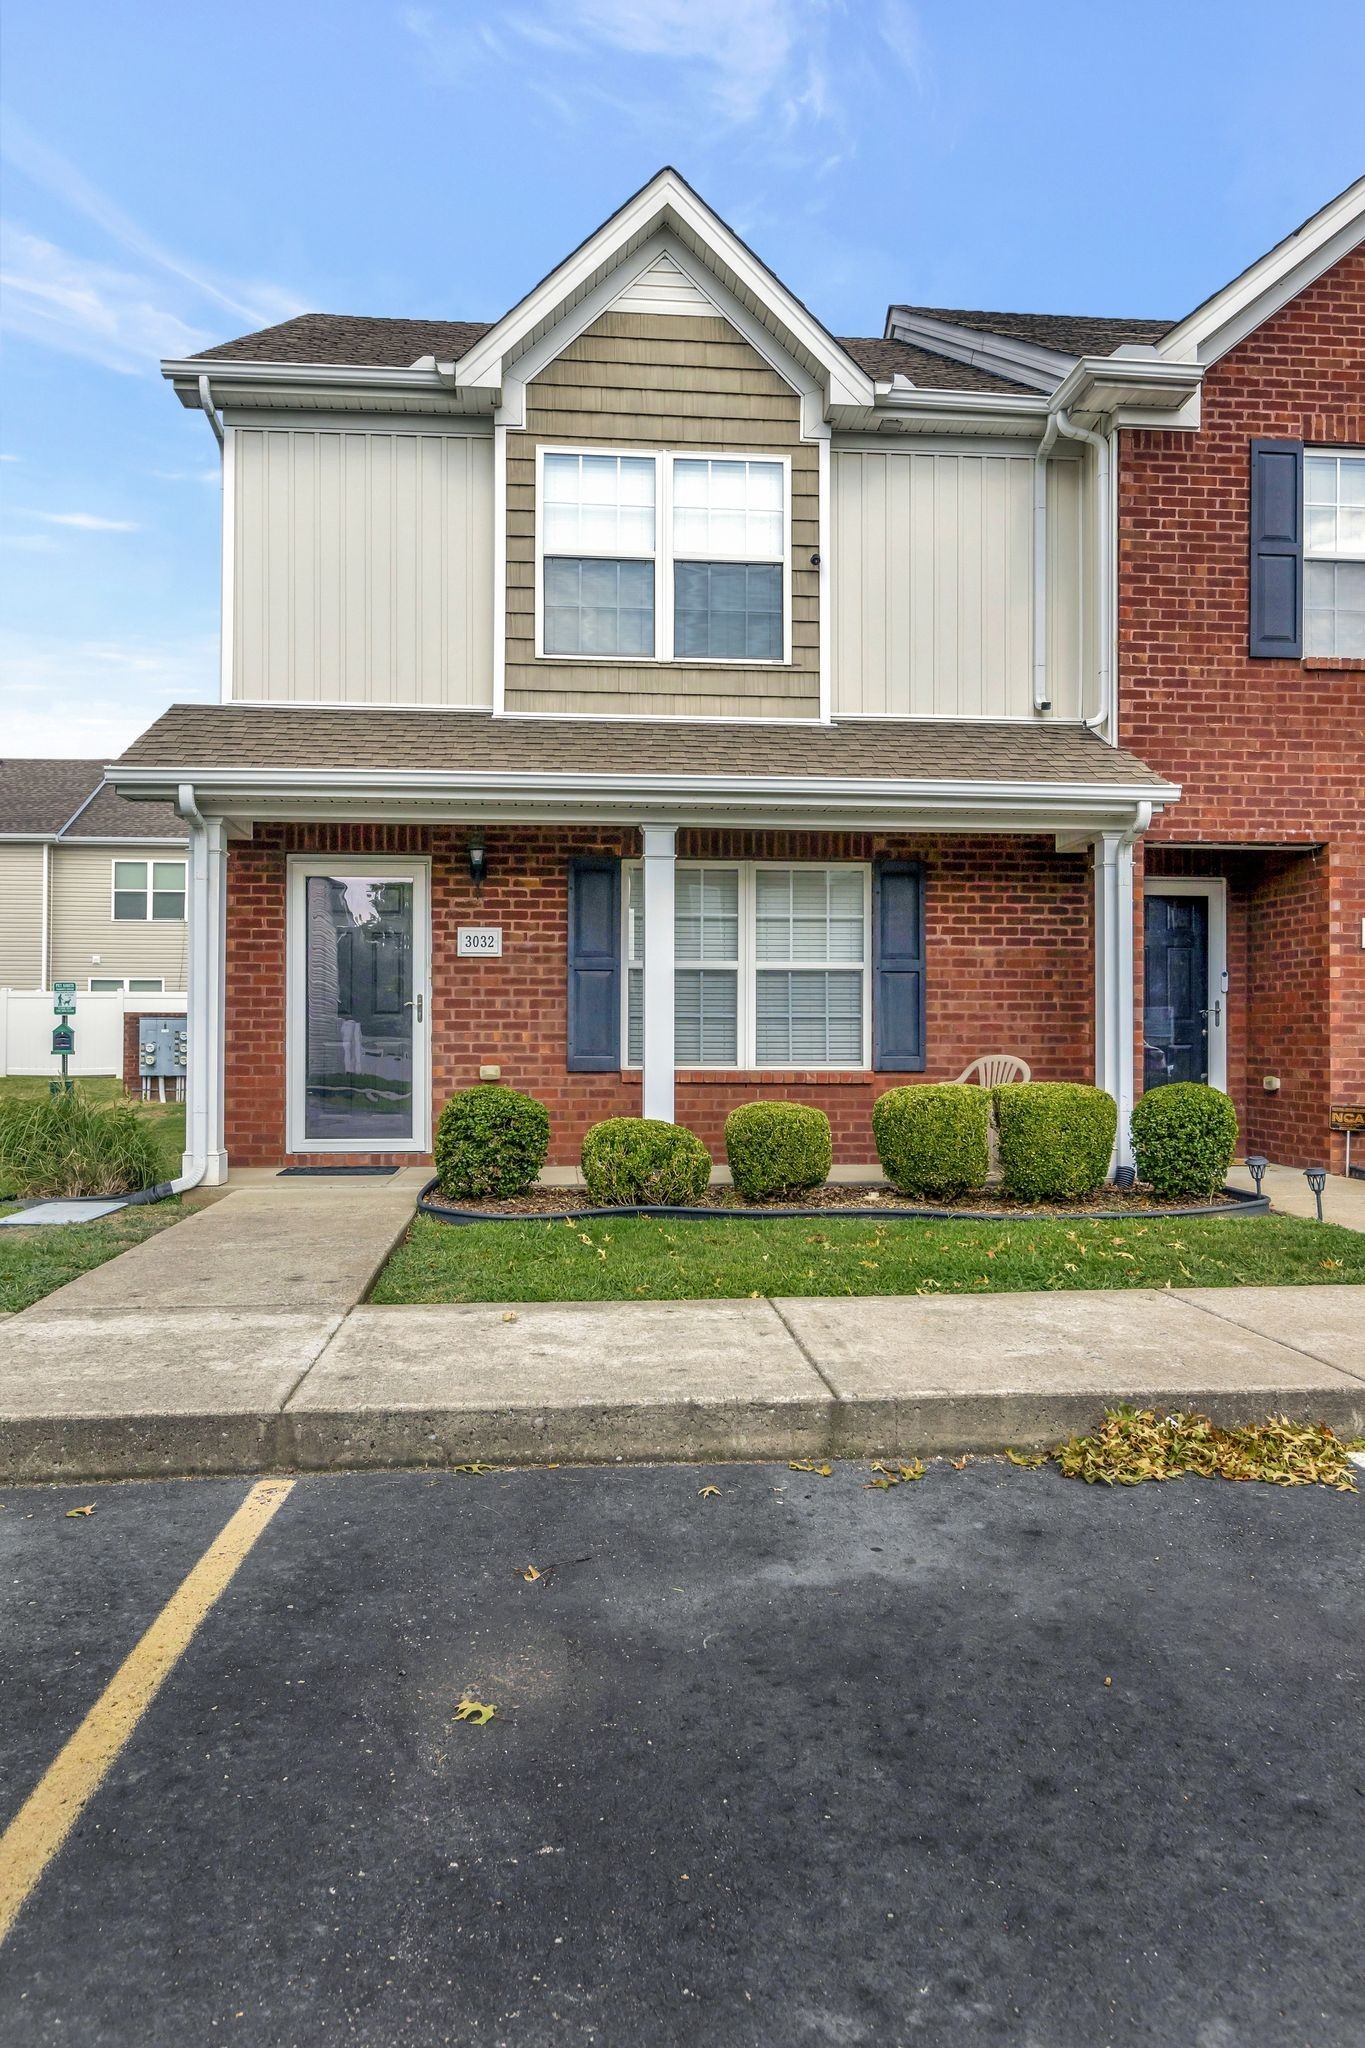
[(132, 302), (95, 696), (784, 77), (89, 522)]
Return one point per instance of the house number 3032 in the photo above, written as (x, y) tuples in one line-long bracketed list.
[(478, 941)]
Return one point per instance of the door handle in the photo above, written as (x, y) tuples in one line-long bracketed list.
[(1216, 1012), (414, 1003)]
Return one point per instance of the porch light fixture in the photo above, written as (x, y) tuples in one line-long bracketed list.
[(1316, 1177), (1256, 1166), (478, 865)]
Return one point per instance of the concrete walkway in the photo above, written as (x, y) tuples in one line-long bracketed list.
[(1343, 1201), (235, 1342)]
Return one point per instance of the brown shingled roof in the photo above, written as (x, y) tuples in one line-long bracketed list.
[(192, 737), (355, 341), (1072, 334), (39, 797)]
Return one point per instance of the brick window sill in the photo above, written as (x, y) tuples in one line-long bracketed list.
[(1336, 664)]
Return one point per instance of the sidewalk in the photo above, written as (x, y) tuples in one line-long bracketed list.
[(236, 1343)]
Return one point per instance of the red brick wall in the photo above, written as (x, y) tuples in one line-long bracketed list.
[(1008, 948), (1267, 751)]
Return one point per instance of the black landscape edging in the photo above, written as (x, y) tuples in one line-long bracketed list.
[(1236, 1203)]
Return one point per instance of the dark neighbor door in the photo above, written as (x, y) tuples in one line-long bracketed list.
[(1176, 989)]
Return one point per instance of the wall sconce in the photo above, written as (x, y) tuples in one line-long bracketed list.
[(1256, 1166), (478, 865), (1316, 1177)]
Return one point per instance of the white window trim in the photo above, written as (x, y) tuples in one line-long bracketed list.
[(124, 983), (663, 460), (147, 863), (1214, 889), (390, 868), (1335, 556), (749, 968)]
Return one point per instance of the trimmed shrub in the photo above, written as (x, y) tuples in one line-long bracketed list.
[(633, 1159), (777, 1148), (66, 1145), (1056, 1138), (1184, 1136), (490, 1141), (933, 1140)]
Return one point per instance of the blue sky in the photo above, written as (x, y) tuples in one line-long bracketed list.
[(176, 177)]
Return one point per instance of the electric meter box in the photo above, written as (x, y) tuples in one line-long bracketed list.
[(161, 1047)]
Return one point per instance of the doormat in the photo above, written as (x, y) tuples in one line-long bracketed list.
[(335, 1172)]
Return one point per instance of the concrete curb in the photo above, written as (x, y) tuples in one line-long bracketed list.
[(677, 1382)]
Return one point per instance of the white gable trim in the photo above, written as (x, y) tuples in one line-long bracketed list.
[(1271, 282), (667, 201), (664, 289)]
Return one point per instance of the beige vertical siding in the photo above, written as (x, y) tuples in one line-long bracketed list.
[(933, 584), (651, 380), (21, 916), (83, 922), (363, 566)]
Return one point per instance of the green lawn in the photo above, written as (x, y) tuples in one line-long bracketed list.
[(643, 1258), (169, 1117), (34, 1260)]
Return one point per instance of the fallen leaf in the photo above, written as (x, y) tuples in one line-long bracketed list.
[(475, 1711), (80, 1511), (806, 1465), (510, 1316), (895, 1475), (1109, 1681), (1028, 1459), (961, 1464), (476, 1467), (530, 1574), (708, 1493)]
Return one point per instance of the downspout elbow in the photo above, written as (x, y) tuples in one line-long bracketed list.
[(210, 410)]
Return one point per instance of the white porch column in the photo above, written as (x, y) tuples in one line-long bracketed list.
[(208, 932), (1114, 989), (660, 842)]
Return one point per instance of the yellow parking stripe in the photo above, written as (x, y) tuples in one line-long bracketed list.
[(59, 1798)]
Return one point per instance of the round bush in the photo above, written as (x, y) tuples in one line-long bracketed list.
[(1184, 1136), (1056, 1139), (777, 1148), (490, 1141), (932, 1140), (638, 1159)]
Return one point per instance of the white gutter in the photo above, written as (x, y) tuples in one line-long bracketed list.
[(1104, 562), (196, 1160), (210, 410), (1041, 699)]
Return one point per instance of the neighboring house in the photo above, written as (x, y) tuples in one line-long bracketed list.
[(92, 887), (654, 607)]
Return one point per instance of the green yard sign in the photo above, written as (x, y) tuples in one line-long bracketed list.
[(63, 998)]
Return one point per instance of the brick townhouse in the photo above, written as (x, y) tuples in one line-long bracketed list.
[(990, 685)]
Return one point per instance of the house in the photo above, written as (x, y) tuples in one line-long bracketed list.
[(92, 886), (869, 671)]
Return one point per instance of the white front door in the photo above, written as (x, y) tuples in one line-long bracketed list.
[(359, 1001)]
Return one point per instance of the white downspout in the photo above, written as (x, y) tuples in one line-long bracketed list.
[(209, 408), (1042, 700), (1104, 561), (205, 931), (1115, 992)]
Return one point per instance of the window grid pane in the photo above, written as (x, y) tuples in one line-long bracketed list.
[(130, 907), (1334, 609), (726, 508), (598, 504), (727, 611), (809, 1019), (807, 914), (596, 607)]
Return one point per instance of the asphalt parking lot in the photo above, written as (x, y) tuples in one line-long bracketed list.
[(993, 1757)]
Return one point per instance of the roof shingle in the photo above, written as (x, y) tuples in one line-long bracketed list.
[(1072, 334), (192, 737), (39, 797)]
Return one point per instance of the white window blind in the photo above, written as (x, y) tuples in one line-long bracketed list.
[(1334, 554)]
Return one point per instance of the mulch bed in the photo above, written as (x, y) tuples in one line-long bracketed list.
[(846, 1200)]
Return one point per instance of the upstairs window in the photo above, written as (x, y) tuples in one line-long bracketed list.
[(662, 557), (149, 890), (597, 538), (1334, 554)]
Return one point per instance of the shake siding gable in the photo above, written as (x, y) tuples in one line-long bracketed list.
[(646, 381)]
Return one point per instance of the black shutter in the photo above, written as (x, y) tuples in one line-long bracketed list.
[(898, 967), (1276, 622), (594, 965)]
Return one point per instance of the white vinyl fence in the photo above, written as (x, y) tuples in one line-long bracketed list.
[(26, 1023)]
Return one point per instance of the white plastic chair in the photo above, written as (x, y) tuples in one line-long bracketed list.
[(996, 1069)]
